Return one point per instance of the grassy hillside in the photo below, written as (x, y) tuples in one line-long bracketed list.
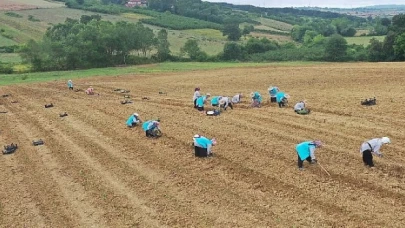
[(363, 40)]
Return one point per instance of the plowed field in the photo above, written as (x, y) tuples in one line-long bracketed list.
[(94, 172)]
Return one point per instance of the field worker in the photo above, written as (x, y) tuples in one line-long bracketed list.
[(203, 146), (282, 99), (371, 147), (273, 90), (306, 151), (224, 102), (90, 91), (256, 99), (133, 120), (201, 101), (237, 98), (70, 85), (196, 95), (215, 101), (151, 128), (300, 108)]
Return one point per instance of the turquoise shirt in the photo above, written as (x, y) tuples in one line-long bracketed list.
[(280, 96), (70, 84), (145, 125), (202, 142), (257, 97), (273, 91), (130, 120), (215, 100), (200, 101), (304, 149)]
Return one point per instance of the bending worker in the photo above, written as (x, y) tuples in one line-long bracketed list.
[(371, 147), (203, 146), (306, 151), (133, 120)]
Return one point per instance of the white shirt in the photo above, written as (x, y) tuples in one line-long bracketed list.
[(375, 145), (196, 95), (225, 100), (236, 99), (299, 106)]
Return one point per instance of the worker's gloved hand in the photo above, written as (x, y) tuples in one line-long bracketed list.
[(314, 161)]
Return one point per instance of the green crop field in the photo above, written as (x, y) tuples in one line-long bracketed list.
[(275, 24), (10, 57), (363, 40), (6, 41), (210, 40)]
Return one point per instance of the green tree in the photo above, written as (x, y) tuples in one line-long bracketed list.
[(191, 48), (335, 48), (399, 46), (232, 51), (163, 48), (375, 51), (232, 31)]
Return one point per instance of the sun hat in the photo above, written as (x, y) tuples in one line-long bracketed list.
[(252, 94), (214, 141), (136, 114), (196, 136), (385, 140)]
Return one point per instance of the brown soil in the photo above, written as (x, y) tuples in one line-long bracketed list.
[(94, 172)]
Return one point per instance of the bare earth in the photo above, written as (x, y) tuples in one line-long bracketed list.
[(94, 172)]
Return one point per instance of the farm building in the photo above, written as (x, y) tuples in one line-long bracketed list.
[(133, 3)]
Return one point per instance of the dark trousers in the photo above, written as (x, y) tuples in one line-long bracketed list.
[(195, 103), (70, 88), (200, 152), (273, 99), (301, 162), (368, 158), (281, 104), (200, 108), (150, 133)]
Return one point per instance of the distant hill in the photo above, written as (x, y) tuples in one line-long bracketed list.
[(364, 12)]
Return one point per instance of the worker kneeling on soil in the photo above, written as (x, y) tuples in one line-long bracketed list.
[(306, 151), (133, 120), (282, 99), (203, 146), (224, 102), (371, 147), (237, 98), (256, 99), (300, 108), (201, 101), (273, 90), (70, 85), (90, 91), (152, 129)]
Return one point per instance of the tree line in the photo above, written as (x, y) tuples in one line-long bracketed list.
[(91, 42)]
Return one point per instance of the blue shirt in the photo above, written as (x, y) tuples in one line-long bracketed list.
[(273, 91), (202, 142), (257, 97), (131, 120), (215, 100), (200, 101), (280, 96), (305, 149)]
